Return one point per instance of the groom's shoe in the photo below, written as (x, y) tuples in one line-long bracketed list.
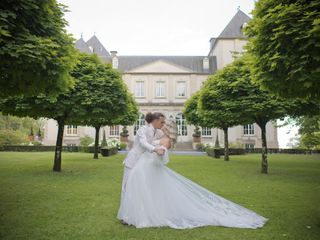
[(123, 222)]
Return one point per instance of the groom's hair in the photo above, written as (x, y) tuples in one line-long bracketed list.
[(152, 116)]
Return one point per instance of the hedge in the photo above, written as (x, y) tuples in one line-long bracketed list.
[(241, 151), (29, 148)]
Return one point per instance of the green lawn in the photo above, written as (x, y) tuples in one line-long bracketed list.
[(82, 201)]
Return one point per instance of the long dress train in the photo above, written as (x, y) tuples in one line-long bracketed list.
[(157, 196)]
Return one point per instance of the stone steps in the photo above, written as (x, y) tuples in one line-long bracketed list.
[(185, 146)]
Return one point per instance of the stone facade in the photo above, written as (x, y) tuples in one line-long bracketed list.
[(164, 83)]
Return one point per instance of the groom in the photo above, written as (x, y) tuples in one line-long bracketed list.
[(147, 136)]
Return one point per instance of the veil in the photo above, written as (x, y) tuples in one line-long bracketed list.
[(170, 130)]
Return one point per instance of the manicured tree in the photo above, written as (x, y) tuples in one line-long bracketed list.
[(309, 130), (81, 103), (36, 53), (215, 105), (284, 41), (127, 116), (191, 113), (231, 95), (65, 108), (106, 98), (104, 140)]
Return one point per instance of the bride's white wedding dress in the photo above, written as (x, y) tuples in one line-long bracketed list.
[(157, 196)]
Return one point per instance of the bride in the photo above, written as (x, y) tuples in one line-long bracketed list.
[(157, 196)]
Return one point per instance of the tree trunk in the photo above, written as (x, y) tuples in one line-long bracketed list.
[(226, 144), (96, 143), (58, 149), (264, 160)]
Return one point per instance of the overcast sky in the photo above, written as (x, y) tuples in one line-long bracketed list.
[(153, 27), (156, 27)]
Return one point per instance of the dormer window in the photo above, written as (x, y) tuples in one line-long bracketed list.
[(115, 62), (206, 63), (244, 25)]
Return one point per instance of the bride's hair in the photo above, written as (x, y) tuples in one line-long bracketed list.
[(170, 130)]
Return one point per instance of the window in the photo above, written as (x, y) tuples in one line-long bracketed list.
[(206, 131), (206, 63), (139, 123), (114, 130), (181, 89), (181, 125), (139, 90), (248, 129), (115, 62), (160, 89), (72, 130), (249, 146)]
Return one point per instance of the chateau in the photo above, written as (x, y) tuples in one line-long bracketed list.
[(164, 83)]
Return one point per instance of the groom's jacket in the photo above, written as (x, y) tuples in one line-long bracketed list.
[(145, 140)]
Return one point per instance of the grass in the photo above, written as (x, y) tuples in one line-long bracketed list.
[(82, 201)]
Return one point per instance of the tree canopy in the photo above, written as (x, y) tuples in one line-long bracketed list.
[(284, 41), (36, 53), (98, 93), (191, 110), (105, 97), (231, 98)]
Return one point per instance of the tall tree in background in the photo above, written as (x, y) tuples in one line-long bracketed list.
[(284, 39), (105, 96), (191, 113), (309, 130), (217, 103), (36, 53), (78, 104), (127, 117), (231, 96)]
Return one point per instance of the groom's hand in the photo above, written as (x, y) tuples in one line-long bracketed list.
[(159, 151)]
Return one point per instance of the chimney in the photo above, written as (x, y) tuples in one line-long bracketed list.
[(113, 53), (212, 41), (115, 61)]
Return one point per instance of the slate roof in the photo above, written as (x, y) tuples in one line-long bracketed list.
[(234, 27), (233, 30), (97, 47), (82, 46), (192, 63)]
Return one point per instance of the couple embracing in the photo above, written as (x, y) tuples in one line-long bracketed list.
[(153, 195)]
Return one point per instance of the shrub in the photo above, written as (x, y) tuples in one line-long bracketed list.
[(12, 137), (113, 142), (196, 132), (36, 143), (108, 151), (200, 147), (123, 146), (86, 141)]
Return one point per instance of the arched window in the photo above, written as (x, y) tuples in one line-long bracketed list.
[(181, 125), (139, 123)]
